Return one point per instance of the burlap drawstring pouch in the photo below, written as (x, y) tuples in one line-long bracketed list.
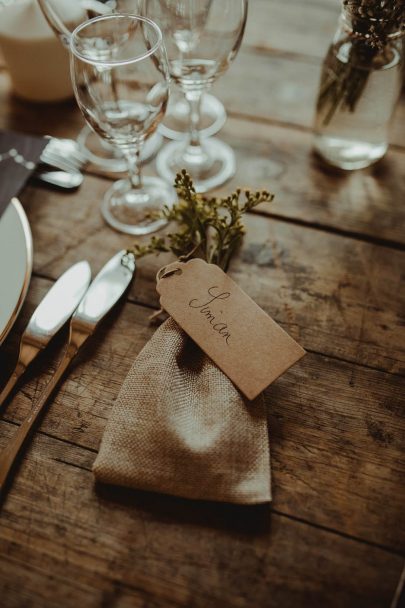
[(179, 426)]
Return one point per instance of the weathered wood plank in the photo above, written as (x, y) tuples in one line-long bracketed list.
[(293, 273), (268, 87), (60, 119), (367, 202), (277, 28), (281, 89), (291, 27), (334, 293), (131, 548), (336, 430)]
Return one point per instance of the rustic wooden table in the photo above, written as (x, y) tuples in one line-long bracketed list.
[(326, 261)]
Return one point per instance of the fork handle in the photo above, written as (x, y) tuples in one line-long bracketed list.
[(11, 451)]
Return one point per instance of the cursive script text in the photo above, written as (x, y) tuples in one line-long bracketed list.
[(205, 309)]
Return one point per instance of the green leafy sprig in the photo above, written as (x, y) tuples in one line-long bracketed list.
[(209, 228)]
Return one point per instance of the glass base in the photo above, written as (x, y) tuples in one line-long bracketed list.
[(210, 165), (349, 154), (176, 122), (107, 158), (127, 209)]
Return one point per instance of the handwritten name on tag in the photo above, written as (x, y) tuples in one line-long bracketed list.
[(241, 339)]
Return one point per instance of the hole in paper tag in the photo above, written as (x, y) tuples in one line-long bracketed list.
[(241, 339)]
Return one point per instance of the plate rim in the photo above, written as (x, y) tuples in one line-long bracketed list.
[(28, 270)]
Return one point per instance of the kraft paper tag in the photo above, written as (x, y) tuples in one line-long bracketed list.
[(241, 339)]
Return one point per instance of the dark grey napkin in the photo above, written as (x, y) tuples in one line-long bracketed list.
[(19, 155)]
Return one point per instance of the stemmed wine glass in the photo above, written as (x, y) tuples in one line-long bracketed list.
[(175, 124), (202, 38), (63, 16), (121, 81)]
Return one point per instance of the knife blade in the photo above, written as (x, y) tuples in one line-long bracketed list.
[(105, 291), (50, 315)]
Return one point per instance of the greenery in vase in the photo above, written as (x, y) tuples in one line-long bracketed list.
[(209, 228), (343, 82)]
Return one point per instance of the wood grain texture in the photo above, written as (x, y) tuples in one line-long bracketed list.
[(368, 202), (112, 547), (275, 74), (269, 55), (336, 429), (309, 37), (327, 261), (333, 293), (282, 90), (364, 204), (270, 88)]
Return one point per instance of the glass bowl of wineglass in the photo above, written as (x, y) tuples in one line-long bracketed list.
[(64, 16)]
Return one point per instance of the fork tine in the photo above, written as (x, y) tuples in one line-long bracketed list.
[(76, 150), (65, 152), (67, 148), (63, 162)]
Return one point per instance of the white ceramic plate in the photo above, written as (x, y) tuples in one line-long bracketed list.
[(15, 264)]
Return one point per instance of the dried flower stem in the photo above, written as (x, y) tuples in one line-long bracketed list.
[(209, 228), (372, 23)]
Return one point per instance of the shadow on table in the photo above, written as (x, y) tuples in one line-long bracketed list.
[(379, 170), (246, 519)]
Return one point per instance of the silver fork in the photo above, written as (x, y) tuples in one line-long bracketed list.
[(63, 154), (60, 161), (68, 146)]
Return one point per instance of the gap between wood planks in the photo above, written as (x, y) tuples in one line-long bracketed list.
[(277, 512), (274, 52), (270, 122), (359, 236), (284, 124), (152, 307)]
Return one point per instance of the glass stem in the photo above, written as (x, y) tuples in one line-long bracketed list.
[(194, 100), (132, 157)]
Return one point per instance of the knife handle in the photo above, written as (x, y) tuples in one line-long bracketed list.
[(11, 451), (12, 381), (28, 352)]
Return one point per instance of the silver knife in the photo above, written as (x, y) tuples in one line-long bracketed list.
[(51, 314), (106, 289)]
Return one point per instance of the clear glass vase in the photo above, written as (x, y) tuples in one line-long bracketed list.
[(359, 87)]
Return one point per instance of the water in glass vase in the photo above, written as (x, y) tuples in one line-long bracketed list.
[(357, 136)]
